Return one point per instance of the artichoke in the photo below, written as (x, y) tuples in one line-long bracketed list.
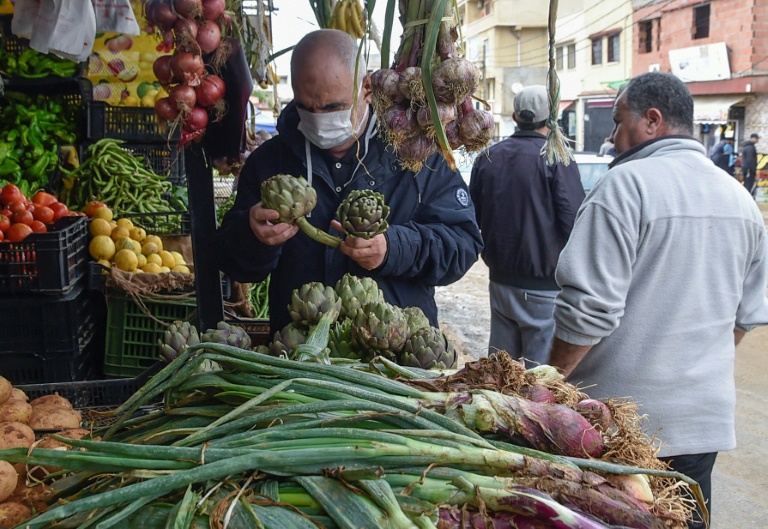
[(227, 334), (310, 301), (286, 340), (381, 326), (416, 319), (178, 336), (293, 199), (341, 341), (355, 292), (363, 214), (428, 349)]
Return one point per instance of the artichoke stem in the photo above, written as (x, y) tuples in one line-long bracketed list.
[(318, 235)]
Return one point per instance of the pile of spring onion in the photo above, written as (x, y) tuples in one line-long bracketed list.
[(260, 441)]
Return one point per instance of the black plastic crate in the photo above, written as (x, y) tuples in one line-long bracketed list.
[(133, 124), (165, 159), (171, 223), (93, 393), (51, 262)]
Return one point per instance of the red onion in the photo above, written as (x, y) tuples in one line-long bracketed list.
[(208, 36), (197, 120), (188, 67), (186, 28), (453, 134), (455, 80), (400, 124), (475, 127), (538, 393), (188, 8), (571, 433), (411, 84), (596, 412), (210, 90), (162, 69), (150, 11), (212, 9), (385, 83), (165, 110), (416, 149), (447, 114), (183, 97), (165, 16)]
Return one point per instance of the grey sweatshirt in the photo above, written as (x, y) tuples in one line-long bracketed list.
[(666, 258)]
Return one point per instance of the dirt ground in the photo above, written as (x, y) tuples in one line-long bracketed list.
[(740, 479)]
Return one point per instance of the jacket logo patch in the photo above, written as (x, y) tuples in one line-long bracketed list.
[(463, 197)]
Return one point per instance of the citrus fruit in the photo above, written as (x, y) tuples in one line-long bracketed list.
[(164, 269), (142, 260), (137, 234), (120, 233), (155, 239), (149, 248), (104, 263), (124, 243), (100, 226), (102, 247), (180, 268), (126, 260), (103, 213), (154, 258), (125, 223), (178, 258), (151, 268), (167, 258)]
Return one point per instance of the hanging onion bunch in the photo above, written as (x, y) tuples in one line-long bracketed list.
[(424, 99), (193, 30)]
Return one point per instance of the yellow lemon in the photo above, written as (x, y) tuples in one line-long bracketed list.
[(149, 248), (101, 247), (178, 258), (124, 243), (125, 223), (104, 263), (126, 260), (142, 260), (164, 269), (180, 268), (120, 233), (137, 234), (155, 259), (112, 224), (104, 213), (151, 268), (167, 258), (100, 227), (155, 239)]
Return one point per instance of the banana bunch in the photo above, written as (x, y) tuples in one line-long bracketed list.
[(348, 16)]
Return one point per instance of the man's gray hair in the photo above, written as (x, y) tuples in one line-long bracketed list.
[(665, 92), (339, 42)]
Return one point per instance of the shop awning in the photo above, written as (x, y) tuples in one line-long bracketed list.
[(565, 103), (713, 109)]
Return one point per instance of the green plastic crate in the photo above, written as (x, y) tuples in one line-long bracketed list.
[(132, 334)]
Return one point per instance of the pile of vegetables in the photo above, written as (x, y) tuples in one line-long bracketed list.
[(120, 179), (249, 440), (31, 130), (192, 29), (258, 296), (424, 100), (20, 217), (34, 65)]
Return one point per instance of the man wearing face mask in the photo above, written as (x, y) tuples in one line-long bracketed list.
[(330, 137)]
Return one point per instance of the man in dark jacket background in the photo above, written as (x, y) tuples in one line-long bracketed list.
[(329, 136), (525, 210), (749, 162)]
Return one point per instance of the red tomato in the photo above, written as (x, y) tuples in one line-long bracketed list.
[(42, 198), (6, 212), (59, 210), (5, 223), (2, 237), (23, 217), (17, 206), (93, 205), (43, 214), (10, 193), (30, 206), (38, 227), (18, 232)]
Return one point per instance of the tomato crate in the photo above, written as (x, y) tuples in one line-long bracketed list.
[(51, 262), (47, 338), (134, 124), (133, 330), (170, 223)]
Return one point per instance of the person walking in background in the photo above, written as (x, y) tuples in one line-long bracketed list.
[(725, 158), (749, 162), (664, 273), (525, 210), (607, 148)]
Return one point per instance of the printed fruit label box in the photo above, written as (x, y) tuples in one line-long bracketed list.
[(120, 66)]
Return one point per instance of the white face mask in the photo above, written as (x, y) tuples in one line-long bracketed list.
[(327, 130)]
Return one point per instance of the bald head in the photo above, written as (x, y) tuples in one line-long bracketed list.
[(324, 45)]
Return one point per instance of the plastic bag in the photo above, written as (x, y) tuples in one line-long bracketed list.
[(115, 16), (24, 16), (75, 30)]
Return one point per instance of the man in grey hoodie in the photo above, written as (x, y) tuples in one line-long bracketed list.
[(664, 272)]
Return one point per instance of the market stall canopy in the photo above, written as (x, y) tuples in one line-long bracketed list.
[(564, 104), (713, 109)]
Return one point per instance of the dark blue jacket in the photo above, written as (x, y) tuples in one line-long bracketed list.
[(525, 209), (433, 238)]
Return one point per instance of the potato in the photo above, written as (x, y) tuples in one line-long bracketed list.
[(56, 401), (13, 410), (52, 444), (32, 496), (46, 418), (17, 394), (5, 390), (8, 479), (13, 514), (15, 434)]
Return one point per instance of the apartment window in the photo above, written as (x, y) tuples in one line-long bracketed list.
[(597, 51), (487, 8), (490, 89), (559, 51), (701, 22), (571, 56), (645, 29), (613, 47)]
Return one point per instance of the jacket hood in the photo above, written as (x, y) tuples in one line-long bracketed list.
[(666, 143)]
